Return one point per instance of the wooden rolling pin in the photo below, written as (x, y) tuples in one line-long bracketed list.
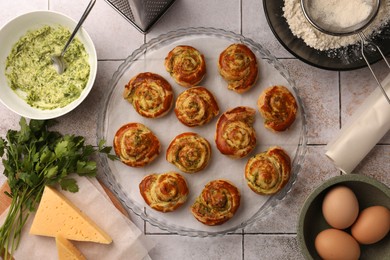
[(5, 201)]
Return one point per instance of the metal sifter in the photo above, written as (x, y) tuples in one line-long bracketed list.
[(329, 28), (142, 14)]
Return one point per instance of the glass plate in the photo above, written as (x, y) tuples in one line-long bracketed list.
[(348, 58), (115, 112)]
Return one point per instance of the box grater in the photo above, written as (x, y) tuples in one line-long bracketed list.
[(142, 14)]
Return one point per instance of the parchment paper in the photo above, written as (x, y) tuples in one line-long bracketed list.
[(128, 240), (364, 130)]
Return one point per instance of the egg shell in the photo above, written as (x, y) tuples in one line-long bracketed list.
[(372, 225), (336, 244), (340, 207)]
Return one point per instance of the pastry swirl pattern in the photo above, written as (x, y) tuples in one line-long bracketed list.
[(237, 64), (196, 106), (136, 145), (235, 135), (268, 172), (164, 192), (150, 94), (189, 152), (278, 107), (186, 65), (217, 203)]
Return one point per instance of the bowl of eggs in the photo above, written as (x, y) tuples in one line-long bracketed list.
[(346, 217), (30, 85)]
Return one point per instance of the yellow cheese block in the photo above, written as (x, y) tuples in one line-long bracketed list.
[(57, 215), (66, 250)]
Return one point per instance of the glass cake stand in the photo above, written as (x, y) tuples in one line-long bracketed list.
[(115, 112)]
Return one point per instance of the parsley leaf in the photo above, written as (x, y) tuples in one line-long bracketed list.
[(34, 157)]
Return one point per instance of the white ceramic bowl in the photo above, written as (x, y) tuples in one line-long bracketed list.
[(10, 34)]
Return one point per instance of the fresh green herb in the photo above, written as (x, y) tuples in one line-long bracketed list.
[(35, 157)]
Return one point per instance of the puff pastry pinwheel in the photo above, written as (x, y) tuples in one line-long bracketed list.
[(196, 106), (217, 203), (237, 64), (268, 172), (186, 65), (189, 152), (164, 192), (136, 145), (278, 107), (150, 94), (235, 135)]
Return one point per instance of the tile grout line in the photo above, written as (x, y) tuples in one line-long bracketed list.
[(340, 107), (243, 230), (339, 89), (241, 17), (242, 234), (243, 244)]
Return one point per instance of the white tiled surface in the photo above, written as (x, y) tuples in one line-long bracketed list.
[(330, 99)]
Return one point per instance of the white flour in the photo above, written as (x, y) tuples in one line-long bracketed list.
[(337, 13), (301, 28)]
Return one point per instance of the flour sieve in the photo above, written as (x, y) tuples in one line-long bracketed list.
[(142, 14), (328, 26)]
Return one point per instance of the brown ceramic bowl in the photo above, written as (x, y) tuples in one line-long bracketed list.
[(368, 191)]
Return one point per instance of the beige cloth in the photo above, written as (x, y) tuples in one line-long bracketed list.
[(364, 130), (128, 240)]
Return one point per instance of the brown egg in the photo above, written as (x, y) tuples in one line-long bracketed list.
[(372, 225), (336, 244), (340, 207)]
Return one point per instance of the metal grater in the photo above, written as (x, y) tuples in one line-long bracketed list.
[(142, 14)]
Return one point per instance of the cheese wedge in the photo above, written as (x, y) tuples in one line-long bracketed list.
[(66, 250), (57, 215)]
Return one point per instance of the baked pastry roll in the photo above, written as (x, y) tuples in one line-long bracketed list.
[(186, 65), (189, 152), (217, 203), (196, 106), (136, 145), (164, 192), (150, 94), (237, 64), (268, 172), (235, 135), (278, 107)]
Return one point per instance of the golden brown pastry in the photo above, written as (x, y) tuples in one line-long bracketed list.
[(196, 106), (278, 107), (136, 145), (235, 135), (186, 65), (268, 172), (217, 203), (189, 152), (164, 192), (237, 64), (150, 94)]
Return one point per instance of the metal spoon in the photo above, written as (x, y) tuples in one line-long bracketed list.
[(357, 28), (58, 60)]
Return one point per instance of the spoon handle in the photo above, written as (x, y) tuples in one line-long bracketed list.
[(83, 17)]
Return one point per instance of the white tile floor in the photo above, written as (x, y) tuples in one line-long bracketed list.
[(330, 99)]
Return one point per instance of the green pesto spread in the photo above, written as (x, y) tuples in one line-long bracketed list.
[(31, 74)]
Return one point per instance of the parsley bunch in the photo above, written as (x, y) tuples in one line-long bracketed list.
[(35, 157)]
